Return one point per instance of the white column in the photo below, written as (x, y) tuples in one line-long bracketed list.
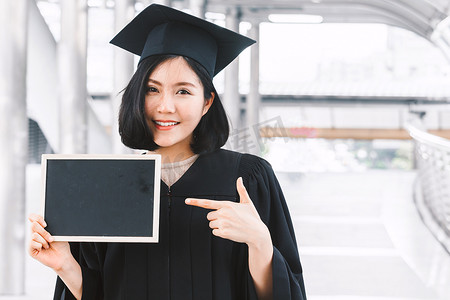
[(13, 144), (163, 2), (253, 98), (198, 8), (231, 97), (123, 70), (72, 50), (441, 37)]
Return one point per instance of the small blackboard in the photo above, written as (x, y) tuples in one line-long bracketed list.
[(101, 198)]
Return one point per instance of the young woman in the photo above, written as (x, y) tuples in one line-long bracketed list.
[(225, 231)]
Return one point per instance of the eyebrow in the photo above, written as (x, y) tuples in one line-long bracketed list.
[(177, 84)]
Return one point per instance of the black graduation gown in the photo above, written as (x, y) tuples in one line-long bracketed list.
[(189, 263)]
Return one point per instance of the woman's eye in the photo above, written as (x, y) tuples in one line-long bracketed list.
[(183, 92), (151, 89)]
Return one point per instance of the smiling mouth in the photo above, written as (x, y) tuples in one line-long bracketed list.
[(164, 125)]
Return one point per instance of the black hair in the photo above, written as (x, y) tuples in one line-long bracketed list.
[(211, 132)]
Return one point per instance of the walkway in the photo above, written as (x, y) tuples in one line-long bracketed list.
[(360, 238), (359, 235)]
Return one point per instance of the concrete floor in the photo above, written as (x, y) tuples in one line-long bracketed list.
[(359, 237)]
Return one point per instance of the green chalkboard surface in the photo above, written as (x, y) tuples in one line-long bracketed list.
[(104, 198)]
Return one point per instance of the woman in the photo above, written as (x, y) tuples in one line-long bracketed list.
[(218, 239)]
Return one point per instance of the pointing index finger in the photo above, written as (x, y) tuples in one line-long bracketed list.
[(206, 203)]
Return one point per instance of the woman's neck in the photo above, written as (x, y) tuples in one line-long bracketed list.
[(170, 155)]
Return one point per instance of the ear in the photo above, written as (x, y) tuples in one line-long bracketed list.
[(208, 104)]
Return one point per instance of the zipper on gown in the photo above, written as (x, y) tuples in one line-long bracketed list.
[(169, 199)]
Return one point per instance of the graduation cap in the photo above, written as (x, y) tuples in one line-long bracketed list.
[(160, 29)]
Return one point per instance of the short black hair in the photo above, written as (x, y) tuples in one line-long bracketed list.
[(211, 132)]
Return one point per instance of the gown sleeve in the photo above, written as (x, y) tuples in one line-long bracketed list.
[(89, 263), (265, 192)]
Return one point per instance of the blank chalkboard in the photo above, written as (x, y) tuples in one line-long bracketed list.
[(102, 198)]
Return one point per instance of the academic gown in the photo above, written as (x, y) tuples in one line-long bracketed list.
[(189, 263)]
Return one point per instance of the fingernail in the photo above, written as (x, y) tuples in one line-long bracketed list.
[(187, 200)]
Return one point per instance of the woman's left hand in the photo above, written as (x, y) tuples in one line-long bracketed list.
[(236, 221)]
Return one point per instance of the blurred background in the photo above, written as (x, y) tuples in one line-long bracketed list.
[(349, 100)]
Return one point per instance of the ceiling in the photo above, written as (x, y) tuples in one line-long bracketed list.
[(419, 16), (427, 18)]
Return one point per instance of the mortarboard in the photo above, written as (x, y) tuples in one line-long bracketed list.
[(160, 29)]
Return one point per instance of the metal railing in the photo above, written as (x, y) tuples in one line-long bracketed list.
[(432, 186)]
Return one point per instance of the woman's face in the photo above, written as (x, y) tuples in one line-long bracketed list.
[(174, 105)]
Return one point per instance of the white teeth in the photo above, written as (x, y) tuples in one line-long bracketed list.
[(166, 123)]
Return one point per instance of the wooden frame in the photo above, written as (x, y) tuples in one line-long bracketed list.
[(87, 198)]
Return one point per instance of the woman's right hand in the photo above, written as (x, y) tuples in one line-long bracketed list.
[(43, 248), (55, 255)]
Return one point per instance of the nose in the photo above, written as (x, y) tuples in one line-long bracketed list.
[(166, 104)]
